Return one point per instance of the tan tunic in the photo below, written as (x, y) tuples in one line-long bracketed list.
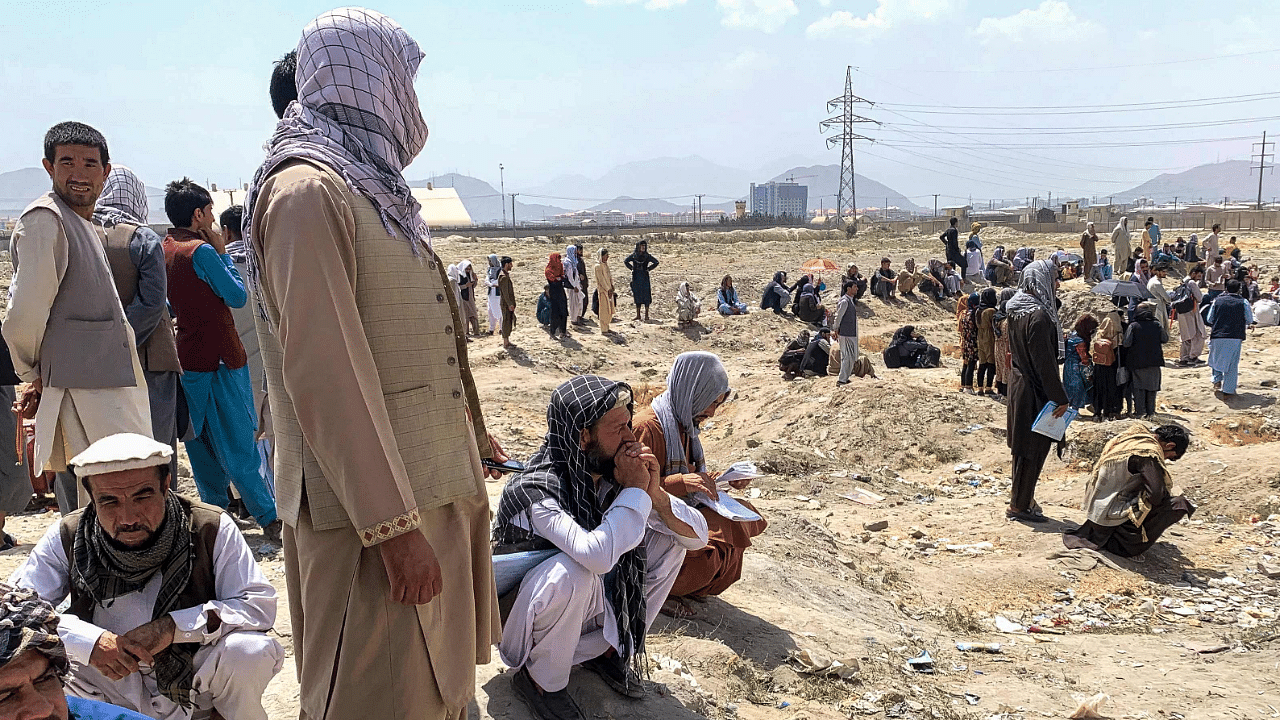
[(69, 420), (604, 291), (370, 395)]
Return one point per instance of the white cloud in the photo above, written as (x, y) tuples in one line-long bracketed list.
[(888, 14), (648, 4), (765, 15), (1053, 20), (749, 60)]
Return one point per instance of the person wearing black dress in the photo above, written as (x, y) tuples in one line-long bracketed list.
[(556, 293), (641, 263)]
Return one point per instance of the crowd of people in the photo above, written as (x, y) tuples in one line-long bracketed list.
[(310, 351)]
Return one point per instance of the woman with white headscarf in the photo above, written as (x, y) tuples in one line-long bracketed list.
[(495, 298), (697, 386), (1120, 240), (573, 284), (1036, 344), (687, 306)]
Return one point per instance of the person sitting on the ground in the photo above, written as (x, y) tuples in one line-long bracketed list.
[(696, 388), (909, 349), (817, 356), (688, 306), (882, 281), (852, 273), (595, 494), (727, 298), (793, 355), (1131, 499), (908, 279), (999, 269), (1102, 269), (155, 579), (1024, 257), (776, 294), (810, 309), (34, 665), (974, 264), (544, 307), (952, 282), (931, 281)]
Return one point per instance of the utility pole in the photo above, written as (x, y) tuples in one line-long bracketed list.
[(1262, 156), (1175, 204), (502, 183), (513, 212), (935, 204), (846, 196), (700, 206)]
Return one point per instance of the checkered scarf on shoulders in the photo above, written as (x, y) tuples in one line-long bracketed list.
[(558, 471), (105, 571), (357, 114), (29, 623), (123, 199)]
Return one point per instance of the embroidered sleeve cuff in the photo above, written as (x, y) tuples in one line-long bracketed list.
[(387, 529)]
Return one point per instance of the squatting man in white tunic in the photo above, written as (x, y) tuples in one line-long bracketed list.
[(593, 493), (168, 608)]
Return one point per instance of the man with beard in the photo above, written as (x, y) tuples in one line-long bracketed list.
[(378, 429), (168, 610), (595, 494), (66, 329)]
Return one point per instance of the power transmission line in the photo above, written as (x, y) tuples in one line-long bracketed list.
[(1086, 69), (845, 122), (1062, 110), (1087, 130)]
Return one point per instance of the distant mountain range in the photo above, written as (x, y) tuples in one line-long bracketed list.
[(483, 201), (1209, 183), (824, 184)]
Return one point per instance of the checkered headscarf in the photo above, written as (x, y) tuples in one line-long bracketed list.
[(123, 199), (558, 471), (357, 114), (28, 622)]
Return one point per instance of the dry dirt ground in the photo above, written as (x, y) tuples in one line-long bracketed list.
[(1187, 631)]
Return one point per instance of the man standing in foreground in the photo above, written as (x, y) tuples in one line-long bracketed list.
[(377, 423), (1229, 316), (507, 296), (66, 329), (1191, 327), (203, 287), (593, 493), (167, 607), (846, 325)]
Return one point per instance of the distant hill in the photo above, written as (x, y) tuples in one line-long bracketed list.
[(484, 203), (824, 180), (667, 177), (634, 205), (1208, 183)]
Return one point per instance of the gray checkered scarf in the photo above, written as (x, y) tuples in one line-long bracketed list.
[(558, 471), (105, 571), (1035, 292), (697, 379), (29, 623), (357, 114), (123, 199)]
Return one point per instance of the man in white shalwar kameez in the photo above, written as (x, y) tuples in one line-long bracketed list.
[(167, 609), (65, 327), (1191, 328), (595, 494)]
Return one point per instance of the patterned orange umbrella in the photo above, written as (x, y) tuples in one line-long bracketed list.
[(817, 266)]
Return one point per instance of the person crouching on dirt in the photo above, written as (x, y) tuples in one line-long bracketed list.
[(1131, 499)]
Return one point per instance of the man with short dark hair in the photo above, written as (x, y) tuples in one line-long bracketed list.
[(1229, 316), (594, 495), (167, 609), (203, 287), (846, 329), (507, 296), (284, 88), (33, 664), (1211, 242), (951, 239), (67, 332), (1191, 328), (1131, 498)]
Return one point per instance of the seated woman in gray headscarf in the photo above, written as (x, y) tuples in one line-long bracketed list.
[(696, 388)]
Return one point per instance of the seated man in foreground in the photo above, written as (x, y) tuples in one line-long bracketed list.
[(594, 493), (33, 664), (168, 608), (1131, 498)]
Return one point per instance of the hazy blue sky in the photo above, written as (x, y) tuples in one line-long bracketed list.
[(552, 88)]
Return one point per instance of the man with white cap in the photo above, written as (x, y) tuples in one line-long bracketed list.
[(168, 608)]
